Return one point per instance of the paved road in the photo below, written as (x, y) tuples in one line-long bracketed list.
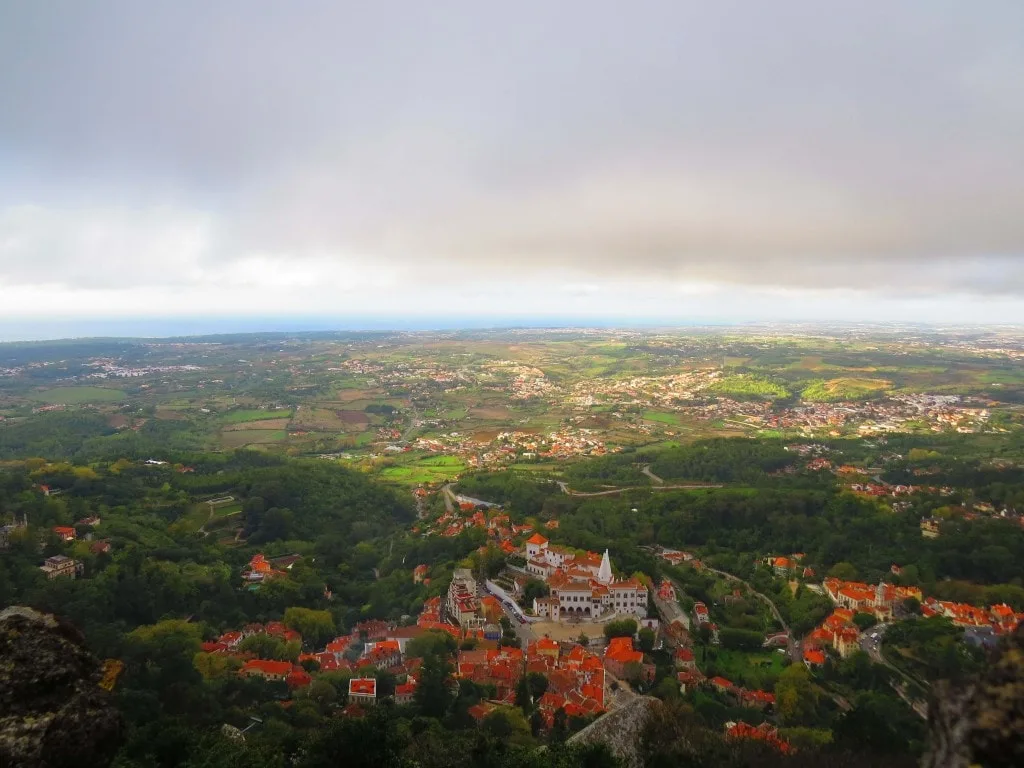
[(611, 492), (647, 471), (409, 429), (793, 650), (871, 643), (671, 610), (449, 497)]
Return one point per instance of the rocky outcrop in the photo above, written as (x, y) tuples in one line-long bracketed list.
[(981, 722), (621, 730), (52, 711)]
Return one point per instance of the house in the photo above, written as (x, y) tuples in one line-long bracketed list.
[(91, 522), (690, 679), (419, 573), (666, 591), (404, 692), (930, 527), (267, 669), (298, 678), (362, 690), (462, 605), (684, 659), (757, 699), (721, 684), (59, 566), (101, 547), (372, 629), (814, 657), (7, 532), (620, 653), (64, 533), (783, 565), (383, 654)]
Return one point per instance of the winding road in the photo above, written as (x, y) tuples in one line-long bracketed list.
[(793, 646), (611, 492)]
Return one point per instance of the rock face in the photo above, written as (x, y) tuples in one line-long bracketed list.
[(620, 730), (981, 722), (52, 711)]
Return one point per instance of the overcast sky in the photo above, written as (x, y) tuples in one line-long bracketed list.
[(719, 160)]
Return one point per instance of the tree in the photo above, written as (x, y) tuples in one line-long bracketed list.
[(523, 699), (316, 627), (536, 684), (796, 696), (534, 588), (322, 692), (740, 639), (620, 628), (212, 665), (433, 693), (864, 620), (432, 643), (507, 724), (912, 605), (645, 640), (844, 571), (264, 646), (559, 726)]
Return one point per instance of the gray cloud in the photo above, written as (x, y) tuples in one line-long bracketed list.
[(789, 143)]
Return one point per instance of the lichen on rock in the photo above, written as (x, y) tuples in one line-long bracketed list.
[(53, 712)]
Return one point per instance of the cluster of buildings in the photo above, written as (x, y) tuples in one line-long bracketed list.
[(582, 585), (1001, 618), (744, 697), (260, 569), (576, 677), (480, 450), (789, 566), (59, 566), (879, 600), (765, 732), (838, 632)]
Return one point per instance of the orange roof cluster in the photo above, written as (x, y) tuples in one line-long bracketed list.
[(1000, 617), (764, 732), (620, 650)]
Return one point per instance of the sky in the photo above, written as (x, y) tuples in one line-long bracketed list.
[(678, 161)]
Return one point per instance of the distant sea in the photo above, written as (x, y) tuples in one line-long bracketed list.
[(38, 329)]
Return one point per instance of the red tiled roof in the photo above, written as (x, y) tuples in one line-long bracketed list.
[(363, 686), (814, 656), (268, 667)]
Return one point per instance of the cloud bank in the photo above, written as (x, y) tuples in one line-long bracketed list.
[(688, 158)]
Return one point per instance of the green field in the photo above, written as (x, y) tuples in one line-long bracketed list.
[(747, 385), (78, 395), (238, 438), (431, 469), (755, 670), (829, 390), (253, 414), (662, 417)]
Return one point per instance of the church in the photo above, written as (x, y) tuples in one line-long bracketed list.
[(582, 585)]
